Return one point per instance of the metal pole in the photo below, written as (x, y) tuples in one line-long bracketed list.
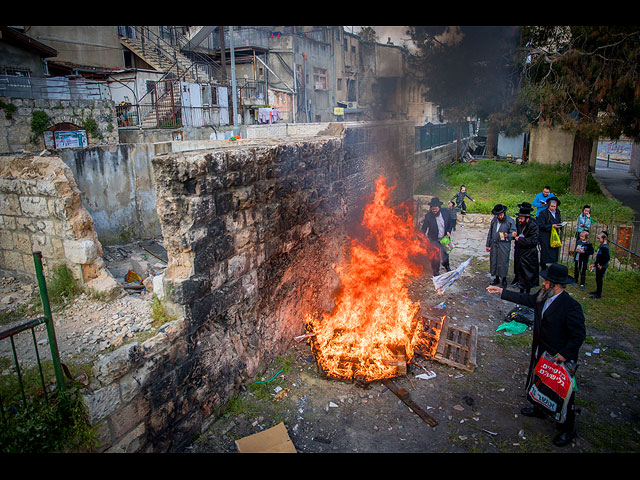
[(236, 130), (51, 334)]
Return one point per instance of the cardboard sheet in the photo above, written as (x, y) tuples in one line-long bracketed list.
[(274, 440)]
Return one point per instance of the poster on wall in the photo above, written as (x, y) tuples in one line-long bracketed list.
[(70, 139)]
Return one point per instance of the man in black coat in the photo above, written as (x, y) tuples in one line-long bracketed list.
[(525, 255), (437, 224), (558, 329)]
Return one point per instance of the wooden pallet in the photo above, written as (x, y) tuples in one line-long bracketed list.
[(457, 347)]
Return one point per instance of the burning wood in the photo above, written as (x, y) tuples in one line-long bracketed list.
[(375, 328)]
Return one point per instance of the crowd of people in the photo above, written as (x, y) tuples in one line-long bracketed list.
[(559, 325), (535, 239)]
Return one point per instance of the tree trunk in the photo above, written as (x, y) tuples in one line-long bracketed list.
[(582, 146), (492, 140)]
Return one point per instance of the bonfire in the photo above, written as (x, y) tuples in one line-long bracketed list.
[(375, 327)]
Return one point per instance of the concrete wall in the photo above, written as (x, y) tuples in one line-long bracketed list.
[(634, 162), (82, 44), (117, 190), (554, 146)]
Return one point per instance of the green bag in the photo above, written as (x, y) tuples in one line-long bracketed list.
[(555, 238)]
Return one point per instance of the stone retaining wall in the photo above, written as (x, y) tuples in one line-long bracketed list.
[(16, 132), (40, 210)]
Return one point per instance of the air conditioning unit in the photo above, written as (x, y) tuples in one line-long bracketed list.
[(352, 104)]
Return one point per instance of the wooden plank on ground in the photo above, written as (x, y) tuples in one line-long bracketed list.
[(403, 395)]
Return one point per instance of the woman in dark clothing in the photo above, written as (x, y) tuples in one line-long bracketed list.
[(548, 220), (600, 263)]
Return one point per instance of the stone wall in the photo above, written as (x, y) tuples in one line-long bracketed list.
[(16, 132), (425, 163), (251, 234), (40, 210)]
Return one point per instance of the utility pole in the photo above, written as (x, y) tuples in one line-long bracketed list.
[(236, 129)]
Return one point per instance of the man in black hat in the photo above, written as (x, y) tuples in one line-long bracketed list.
[(498, 243), (558, 329), (525, 264), (437, 224)]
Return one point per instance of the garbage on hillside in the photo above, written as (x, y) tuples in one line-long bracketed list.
[(442, 282), (132, 277)]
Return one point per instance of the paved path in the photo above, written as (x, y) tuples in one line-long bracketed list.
[(620, 183)]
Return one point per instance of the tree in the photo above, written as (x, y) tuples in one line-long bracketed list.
[(584, 79), (468, 70), (368, 34)]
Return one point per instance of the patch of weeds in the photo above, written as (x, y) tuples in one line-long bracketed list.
[(513, 341), (159, 312), (39, 123), (618, 354), (9, 109), (237, 405), (62, 285), (49, 423), (589, 340), (608, 438)]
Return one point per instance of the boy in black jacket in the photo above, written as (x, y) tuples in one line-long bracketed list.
[(584, 249)]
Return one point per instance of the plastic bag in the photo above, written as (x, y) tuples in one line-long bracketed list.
[(447, 243), (552, 387), (554, 240), (512, 328), (521, 314), (442, 282)]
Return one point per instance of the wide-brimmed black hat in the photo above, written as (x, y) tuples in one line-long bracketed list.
[(435, 202), (557, 273), (525, 209), (554, 198), (498, 209)]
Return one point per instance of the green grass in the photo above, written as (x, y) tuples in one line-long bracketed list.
[(490, 182), (614, 310)]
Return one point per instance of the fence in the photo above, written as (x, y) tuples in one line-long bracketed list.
[(55, 88), (31, 325), (433, 135), (624, 242)]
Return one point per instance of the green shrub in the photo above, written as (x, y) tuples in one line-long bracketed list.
[(39, 123), (49, 425)]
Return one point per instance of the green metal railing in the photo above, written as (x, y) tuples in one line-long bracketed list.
[(47, 319)]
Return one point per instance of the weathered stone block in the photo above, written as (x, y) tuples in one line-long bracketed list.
[(9, 204), (80, 251)]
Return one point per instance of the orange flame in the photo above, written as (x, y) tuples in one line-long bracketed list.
[(374, 322)]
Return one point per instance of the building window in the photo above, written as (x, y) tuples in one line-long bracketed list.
[(320, 79), (339, 84)]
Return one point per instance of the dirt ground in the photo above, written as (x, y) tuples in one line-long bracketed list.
[(475, 411)]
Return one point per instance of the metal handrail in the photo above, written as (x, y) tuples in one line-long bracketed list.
[(47, 319)]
